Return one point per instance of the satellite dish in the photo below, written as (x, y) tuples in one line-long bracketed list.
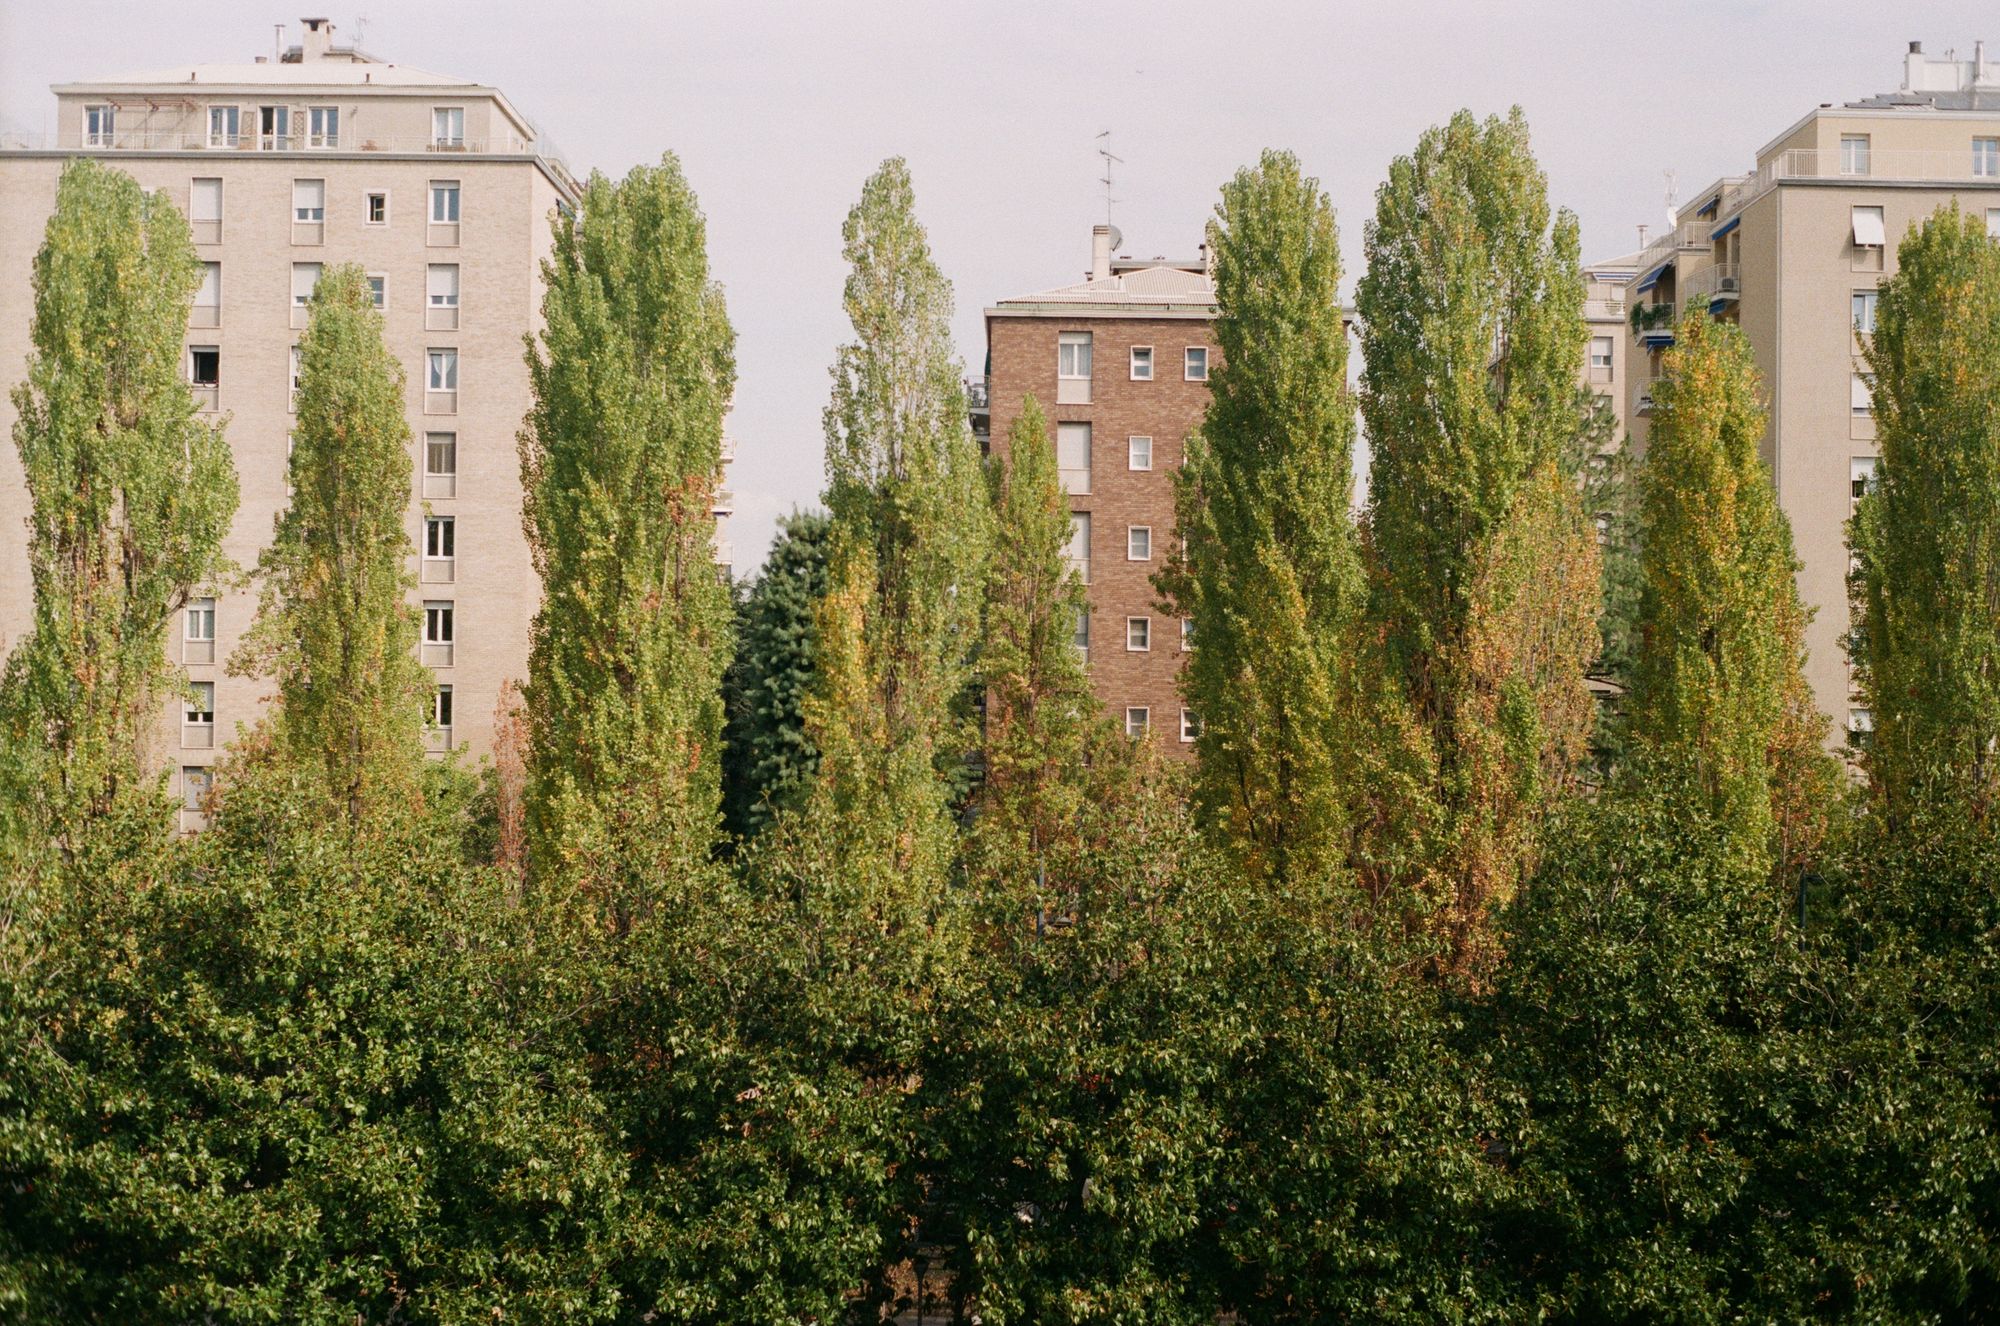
[(1117, 239)]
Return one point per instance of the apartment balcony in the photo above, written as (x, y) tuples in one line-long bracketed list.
[(1653, 324), (194, 137), (1714, 287), (1940, 166), (1642, 402)]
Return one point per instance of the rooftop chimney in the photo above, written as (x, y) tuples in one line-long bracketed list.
[(318, 39), (1100, 252)]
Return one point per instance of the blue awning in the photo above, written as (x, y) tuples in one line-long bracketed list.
[(1652, 278), (1710, 207), (1724, 228)]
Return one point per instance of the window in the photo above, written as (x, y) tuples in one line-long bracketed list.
[(1139, 543), (298, 365), (195, 784), (440, 465), (444, 202), (323, 126), (438, 626), (377, 208), (448, 126), (1854, 154), (1187, 633), (1073, 457), (440, 537), (198, 717), (198, 631), (1194, 363), (441, 707), (1860, 478), (100, 125), (205, 365), (1862, 305), (1138, 453), (205, 210), (305, 279), (1138, 720), (1869, 231), (224, 123), (1860, 728), (207, 311), (1190, 726), (1142, 363), (1073, 368), (1082, 637), (441, 296), (443, 371), (1986, 157), (1600, 358), (1993, 223), (378, 290), (1078, 551), (1861, 394), (308, 201), (1139, 634), (274, 127)]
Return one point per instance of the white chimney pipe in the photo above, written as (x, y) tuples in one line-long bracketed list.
[(318, 39), (1100, 252)]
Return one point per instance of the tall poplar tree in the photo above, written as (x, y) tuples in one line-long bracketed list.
[(130, 497), (334, 624), (1268, 571), (1718, 691), (1484, 568), (1926, 636), (620, 460)]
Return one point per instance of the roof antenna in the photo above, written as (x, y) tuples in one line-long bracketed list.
[(360, 29), (1104, 150), (1673, 197)]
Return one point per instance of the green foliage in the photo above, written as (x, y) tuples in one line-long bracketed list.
[(130, 496), (1601, 464), (1484, 569), (334, 625), (619, 463), (1926, 540), (1719, 700), (768, 760), (1268, 569)]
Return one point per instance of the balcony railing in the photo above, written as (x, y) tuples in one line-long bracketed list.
[(195, 138), (978, 394), (1718, 281), (1892, 165)]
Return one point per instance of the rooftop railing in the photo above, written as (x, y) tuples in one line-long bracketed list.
[(1880, 165), (197, 139)]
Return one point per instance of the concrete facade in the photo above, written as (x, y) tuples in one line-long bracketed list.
[(1791, 252), (370, 183), (1138, 422)]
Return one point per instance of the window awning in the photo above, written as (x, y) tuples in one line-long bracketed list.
[(1725, 227), (1868, 231), (1652, 278)]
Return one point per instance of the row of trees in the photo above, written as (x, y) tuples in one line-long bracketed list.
[(1432, 993)]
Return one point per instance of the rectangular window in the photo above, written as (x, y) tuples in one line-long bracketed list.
[(205, 365), (440, 465), (323, 126), (1073, 457), (1138, 720), (444, 202), (1190, 726), (448, 126), (308, 202), (195, 784), (1139, 634), (1986, 157), (298, 365), (1600, 358), (198, 717), (1860, 477), (438, 624), (224, 125), (1993, 223), (205, 210), (1082, 636), (1187, 634), (1861, 394), (207, 311), (1079, 544), (377, 208), (1138, 453), (442, 285), (440, 537), (378, 290), (1862, 307), (1854, 154), (443, 374), (274, 127), (441, 707), (100, 126), (198, 631), (1142, 363), (1073, 368), (1139, 543), (1860, 727), (1869, 230), (305, 279), (1194, 363)]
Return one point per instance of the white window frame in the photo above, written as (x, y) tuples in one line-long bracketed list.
[(308, 213), (1190, 727), (445, 114), (1081, 636), (1142, 635), (441, 369), (1861, 395), (100, 124), (1603, 362), (196, 193), (441, 621), (448, 442), (1141, 363), (1993, 223), (197, 781), (440, 538), (198, 716), (215, 350), (1138, 721), (1079, 533), (1187, 634), (1067, 431), (368, 197), (1188, 358), (1856, 154), (378, 290), (1870, 227), (198, 621), (1135, 536), (441, 190), (1861, 306), (208, 295), (224, 114), (442, 708), (1860, 478), (274, 139), (322, 126), (433, 298), (1986, 157), (318, 270), (1073, 356), (1139, 452)]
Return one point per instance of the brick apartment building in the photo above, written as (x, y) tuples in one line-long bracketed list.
[(1120, 363)]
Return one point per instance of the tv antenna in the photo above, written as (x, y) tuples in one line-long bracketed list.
[(360, 29), (1673, 196), (1104, 150)]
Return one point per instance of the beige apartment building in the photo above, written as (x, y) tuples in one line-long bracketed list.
[(1120, 364), (1793, 252), (444, 193)]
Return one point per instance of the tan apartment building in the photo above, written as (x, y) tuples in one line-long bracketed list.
[(1793, 252), (1120, 364), (444, 193)]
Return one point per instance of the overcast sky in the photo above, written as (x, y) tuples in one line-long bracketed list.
[(778, 113)]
